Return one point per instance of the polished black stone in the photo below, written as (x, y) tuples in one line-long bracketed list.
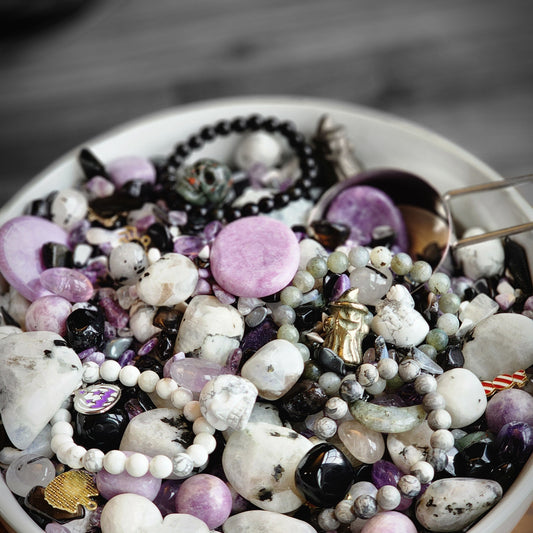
[(103, 431), (160, 237), (85, 329), (55, 254), (328, 285), (306, 317), (504, 473), (517, 263), (311, 371), (329, 360), (304, 399), (450, 357), (324, 475), (167, 319), (91, 165), (35, 501), (475, 461), (149, 363), (38, 208), (330, 234), (115, 204)]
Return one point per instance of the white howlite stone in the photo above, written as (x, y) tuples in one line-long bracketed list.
[(454, 503), (265, 522), (310, 248), (500, 344), (409, 447), (260, 462), (227, 401), (210, 329), (397, 320), (8, 330), (36, 377), (258, 147), (158, 432), (169, 281), (274, 368), (482, 260), (464, 396), (141, 322)]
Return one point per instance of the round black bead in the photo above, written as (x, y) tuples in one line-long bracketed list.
[(223, 127), (295, 192), (250, 210), (208, 133), (266, 205), (195, 142), (287, 128), (254, 122), (216, 213), (271, 124), (238, 124), (233, 213), (281, 199), (85, 329), (324, 475), (183, 150)]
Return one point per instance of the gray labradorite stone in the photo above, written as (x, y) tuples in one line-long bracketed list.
[(265, 522)]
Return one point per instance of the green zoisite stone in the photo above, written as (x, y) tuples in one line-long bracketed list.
[(472, 438), (387, 419)]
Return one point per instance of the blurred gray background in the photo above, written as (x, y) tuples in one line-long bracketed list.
[(70, 69)]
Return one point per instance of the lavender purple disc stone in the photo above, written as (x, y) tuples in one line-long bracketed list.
[(363, 208), (130, 168), (21, 241), (254, 257)]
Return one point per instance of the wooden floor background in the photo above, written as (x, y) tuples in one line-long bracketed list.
[(463, 68)]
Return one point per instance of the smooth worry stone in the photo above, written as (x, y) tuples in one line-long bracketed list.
[(260, 462), (210, 329), (48, 313), (207, 497), (41, 363), (21, 241), (464, 395), (68, 283), (257, 521), (254, 257), (364, 444), (304, 399), (389, 522), (504, 333), (131, 168), (453, 504), (409, 447), (363, 208), (193, 373), (324, 475), (85, 329), (274, 368), (27, 472), (510, 405), (387, 419)]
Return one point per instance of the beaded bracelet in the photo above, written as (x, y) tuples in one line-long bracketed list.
[(287, 129), (137, 464)]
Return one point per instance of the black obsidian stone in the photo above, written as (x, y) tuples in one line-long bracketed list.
[(516, 262), (329, 360), (311, 371), (328, 285), (451, 357), (324, 475), (475, 461), (85, 329), (38, 208), (103, 431), (304, 399), (55, 254), (91, 165), (167, 319), (306, 317), (160, 237), (330, 234), (504, 473)]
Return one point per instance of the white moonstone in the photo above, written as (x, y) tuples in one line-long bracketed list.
[(364, 444), (310, 248), (500, 344), (157, 432), (398, 321), (482, 260), (141, 322), (39, 446), (409, 447), (454, 503), (464, 395), (261, 412), (36, 377), (210, 329), (127, 262), (274, 368), (473, 312), (260, 462), (169, 281), (265, 521), (257, 147), (129, 513)]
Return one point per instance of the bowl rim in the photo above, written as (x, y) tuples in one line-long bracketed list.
[(517, 499)]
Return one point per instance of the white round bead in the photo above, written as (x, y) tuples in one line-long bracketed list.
[(74, 457), (409, 486), (61, 415), (336, 408), (425, 383), (201, 425), (137, 465), (344, 512), (63, 450), (165, 387), (327, 520), (408, 370), (109, 370), (448, 323), (378, 387), (161, 466), (423, 471), (359, 256), (330, 383), (439, 419), (62, 428), (182, 465), (387, 368), (388, 497), (147, 381), (91, 372), (443, 439), (380, 257), (324, 427), (192, 410), (181, 397), (198, 454), (433, 400), (59, 440), (367, 374), (115, 462), (93, 461), (207, 441), (129, 375)]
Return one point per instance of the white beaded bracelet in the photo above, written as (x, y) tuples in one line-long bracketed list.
[(136, 464)]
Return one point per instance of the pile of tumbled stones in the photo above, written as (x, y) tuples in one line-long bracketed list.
[(254, 374)]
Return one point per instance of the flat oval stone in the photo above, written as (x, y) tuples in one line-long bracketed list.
[(21, 241), (274, 368), (364, 444), (387, 419), (409, 447), (454, 503), (130, 168), (464, 394), (504, 333), (389, 522), (48, 313), (260, 463), (255, 521), (71, 284), (121, 511), (254, 257)]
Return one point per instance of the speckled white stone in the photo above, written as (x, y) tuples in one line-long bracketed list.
[(210, 329), (274, 368), (36, 377), (500, 344), (265, 522), (454, 503), (464, 395), (260, 463), (141, 321), (409, 447)]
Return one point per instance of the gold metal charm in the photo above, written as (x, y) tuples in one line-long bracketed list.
[(71, 489), (345, 329), (131, 233)]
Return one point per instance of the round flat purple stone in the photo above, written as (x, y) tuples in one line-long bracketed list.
[(21, 241), (254, 257), (131, 168), (510, 405), (363, 208)]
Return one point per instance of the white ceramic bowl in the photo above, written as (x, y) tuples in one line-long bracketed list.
[(380, 140)]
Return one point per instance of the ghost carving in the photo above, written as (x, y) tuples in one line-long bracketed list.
[(227, 401)]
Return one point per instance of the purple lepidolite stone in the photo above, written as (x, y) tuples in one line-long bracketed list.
[(48, 313), (254, 257), (71, 284), (510, 405)]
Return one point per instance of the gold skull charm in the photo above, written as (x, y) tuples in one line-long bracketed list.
[(345, 328)]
